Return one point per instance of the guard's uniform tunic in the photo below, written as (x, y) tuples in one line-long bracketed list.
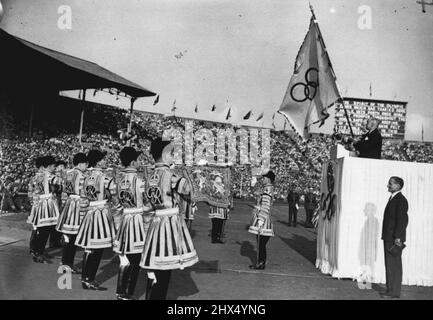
[(219, 213), (263, 212), (218, 217), (97, 228), (73, 211), (168, 244), (134, 219), (45, 211)]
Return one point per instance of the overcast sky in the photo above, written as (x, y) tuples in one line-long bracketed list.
[(240, 53)]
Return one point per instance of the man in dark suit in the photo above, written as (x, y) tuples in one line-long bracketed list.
[(395, 220), (370, 143), (293, 201)]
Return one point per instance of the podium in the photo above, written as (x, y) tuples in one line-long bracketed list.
[(353, 199)]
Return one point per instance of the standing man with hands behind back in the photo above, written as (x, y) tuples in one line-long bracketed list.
[(395, 220)]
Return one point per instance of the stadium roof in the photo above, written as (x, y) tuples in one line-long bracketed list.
[(28, 65)]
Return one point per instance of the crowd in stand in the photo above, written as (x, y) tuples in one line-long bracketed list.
[(296, 163)]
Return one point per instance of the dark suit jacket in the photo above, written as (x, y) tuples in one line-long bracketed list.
[(310, 201), (293, 199), (395, 219), (370, 145)]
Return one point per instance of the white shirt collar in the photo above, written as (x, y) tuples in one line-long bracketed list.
[(393, 194)]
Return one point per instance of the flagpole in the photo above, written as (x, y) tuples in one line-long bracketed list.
[(330, 67), (82, 115)]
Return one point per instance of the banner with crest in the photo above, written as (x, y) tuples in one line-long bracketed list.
[(210, 183)]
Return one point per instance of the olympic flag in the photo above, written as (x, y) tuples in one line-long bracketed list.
[(312, 88)]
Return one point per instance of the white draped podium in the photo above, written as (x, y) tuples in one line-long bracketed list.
[(349, 242)]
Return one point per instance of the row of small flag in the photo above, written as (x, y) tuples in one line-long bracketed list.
[(228, 116)]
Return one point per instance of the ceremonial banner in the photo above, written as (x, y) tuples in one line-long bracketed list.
[(211, 184), (329, 213), (312, 88)]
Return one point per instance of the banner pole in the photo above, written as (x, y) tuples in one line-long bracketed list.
[(331, 68), (82, 115)]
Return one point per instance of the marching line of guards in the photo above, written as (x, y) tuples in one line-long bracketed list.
[(145, 222)]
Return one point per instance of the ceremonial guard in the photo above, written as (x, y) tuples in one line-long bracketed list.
[(57, 183), (134, 223), (73, 210), (262, 223), (96, 231), (44, 213), (168, 244), (188, 208), (218, 217)]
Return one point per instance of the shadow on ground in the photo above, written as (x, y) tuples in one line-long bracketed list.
[(303, 246), (182, 284), (248, 250)]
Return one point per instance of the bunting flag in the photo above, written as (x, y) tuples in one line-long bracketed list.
[(173, 109), (312, 88), (213, 108), (370, 91), (260, 117), (196, 108), (228, 114), (156, 100), (422, 132), (248, 115)]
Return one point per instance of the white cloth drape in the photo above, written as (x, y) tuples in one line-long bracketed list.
[(350, 245)]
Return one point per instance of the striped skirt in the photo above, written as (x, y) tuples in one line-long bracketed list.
[(44, 212), (218, 213), (168, 243), (97, 229), (132, 232), (71, 216), (266, 230)]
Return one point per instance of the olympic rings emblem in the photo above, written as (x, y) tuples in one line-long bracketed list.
[(310, 87), (329, 201)]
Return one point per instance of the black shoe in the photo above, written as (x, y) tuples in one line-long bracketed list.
[(73, 270), (389, 296), (258, 266), (92, 286), (218, 241), (124, 297)]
